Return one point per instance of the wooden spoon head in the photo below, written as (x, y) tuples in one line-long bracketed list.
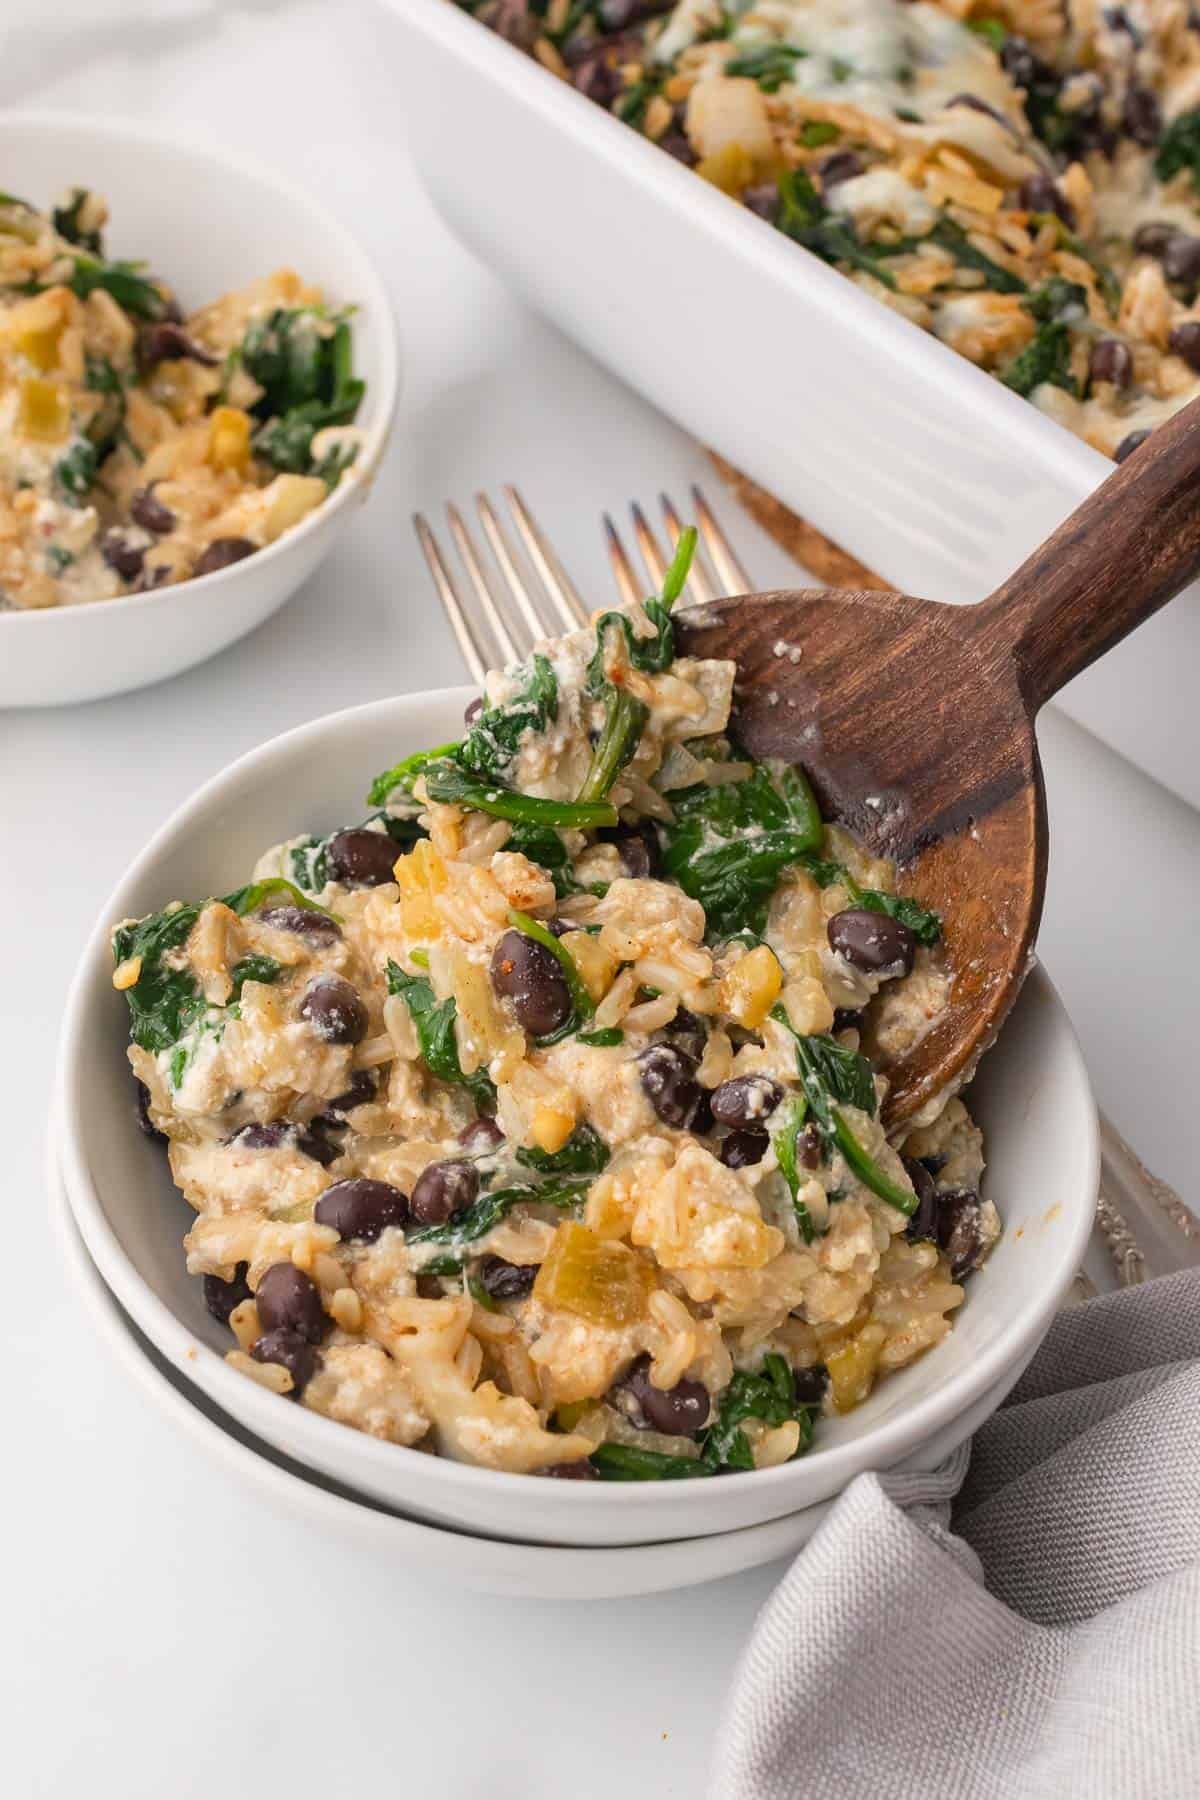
[(916, 738)]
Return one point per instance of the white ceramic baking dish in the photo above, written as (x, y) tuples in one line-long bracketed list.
[(927, 469)]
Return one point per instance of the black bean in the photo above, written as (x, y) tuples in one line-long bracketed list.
[(153, 575), (511, 20), (145, 1122), (443, 1189), (1152, 238), (1185, 341), (481, 1137), (1018, 61), (688, 1033), (596, 69), (263, 1137), (169, 342), (762, 199), (1039, 194), (676, 144), (1129, 444), (669, 1083), (528, 975), (842, 165), (290, 1300), (678, 1411), (1117, 19), (742, 1149), (122, 556), (280, 1133), (808, 1385), (361, 858), (360, 1208), (959, 1230), (1181, 259), (923, 1222), (872, 941), (978, 105), (848, 1018), (1142, 117), (1111, 360), (315, 1144), (809, 1148), (148, 511), (303, 921), (472, 710), (222, 553), (361, 1090), (746, 1100), (638, 848), (292, 1352), (505, 1280), (335, 1010), (221, 1297), (571, 1471), (619, 15)]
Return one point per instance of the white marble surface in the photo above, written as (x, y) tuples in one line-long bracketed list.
[(165, 1635)]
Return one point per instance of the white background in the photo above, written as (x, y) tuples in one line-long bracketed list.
[(163, 1634)]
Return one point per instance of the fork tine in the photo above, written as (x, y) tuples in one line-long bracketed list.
[(652, 556), (557, 582), (729, 570), (622, 568), (700, 584), (508, 566), (447, 594), (466, 549)]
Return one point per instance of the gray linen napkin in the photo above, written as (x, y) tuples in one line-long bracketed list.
[(882, 1666)]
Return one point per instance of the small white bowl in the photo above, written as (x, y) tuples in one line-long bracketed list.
[(206, 221), (485, 1565), (1032, 1098)]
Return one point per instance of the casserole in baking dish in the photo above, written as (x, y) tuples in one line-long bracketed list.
[(931, 471)]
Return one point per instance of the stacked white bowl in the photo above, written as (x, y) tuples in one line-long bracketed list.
[(504, 1532), (209, 222)]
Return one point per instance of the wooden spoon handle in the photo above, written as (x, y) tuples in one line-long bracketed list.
[(1125, 552)]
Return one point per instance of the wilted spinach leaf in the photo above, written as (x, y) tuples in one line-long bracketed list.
[(434, 1021)]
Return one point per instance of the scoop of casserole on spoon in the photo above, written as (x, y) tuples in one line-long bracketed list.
[(915, 721)]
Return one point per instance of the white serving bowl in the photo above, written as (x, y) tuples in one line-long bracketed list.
[(206, 221), (929, 470), (1032, 1098), (485, 1565)]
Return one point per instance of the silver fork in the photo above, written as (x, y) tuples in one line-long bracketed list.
[(511, 613)]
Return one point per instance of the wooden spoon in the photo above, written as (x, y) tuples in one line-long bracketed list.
[(915, 721)]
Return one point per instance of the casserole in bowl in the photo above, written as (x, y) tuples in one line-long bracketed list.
[(212, 223), (1032, 1097), (930, 471)]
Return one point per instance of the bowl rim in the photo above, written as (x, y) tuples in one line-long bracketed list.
[(320, 1498), (50, 122), (250, 1403)]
